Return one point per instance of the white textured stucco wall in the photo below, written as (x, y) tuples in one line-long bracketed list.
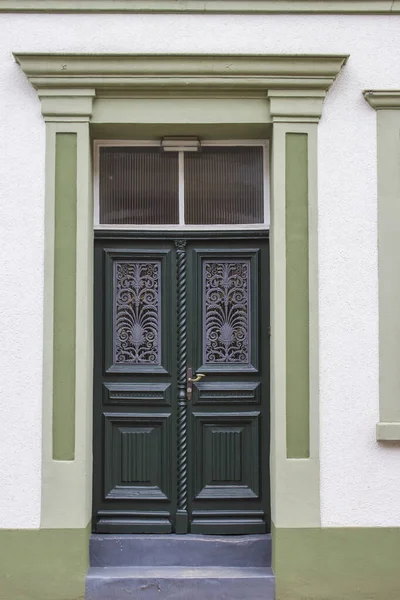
[(360, 482)]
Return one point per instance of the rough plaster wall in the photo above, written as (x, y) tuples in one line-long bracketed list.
[(22, 147), (360, 484)]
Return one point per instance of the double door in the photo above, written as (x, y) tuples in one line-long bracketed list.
[(181, 385)]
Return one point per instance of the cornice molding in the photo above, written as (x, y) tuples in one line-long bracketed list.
[(67, 83), (383, 99), (383, 7), (184, 71)]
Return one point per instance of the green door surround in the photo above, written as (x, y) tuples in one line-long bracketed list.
[(84, 95), (379, 7), (292, 88)]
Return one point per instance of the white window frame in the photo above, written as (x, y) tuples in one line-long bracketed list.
[(97, 144)]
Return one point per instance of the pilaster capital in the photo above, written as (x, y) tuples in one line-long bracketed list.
[(383, 99), (296, 105), (66, 104)]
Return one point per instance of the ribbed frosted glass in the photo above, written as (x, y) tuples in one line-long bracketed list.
[(138, 186), (224, 186)]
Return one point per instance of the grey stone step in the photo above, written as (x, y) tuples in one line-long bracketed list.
[(180, 550), (180, 583)]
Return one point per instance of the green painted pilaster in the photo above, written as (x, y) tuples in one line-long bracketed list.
[(388, 149), (387, 105), (294, 316), (67, 392)]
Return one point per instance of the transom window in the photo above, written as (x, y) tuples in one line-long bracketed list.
[(222, 184)]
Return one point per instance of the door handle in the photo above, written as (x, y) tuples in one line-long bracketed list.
[(197, 378), (190, 380)]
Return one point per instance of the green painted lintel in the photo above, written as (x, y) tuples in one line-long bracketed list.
[(118, 73)]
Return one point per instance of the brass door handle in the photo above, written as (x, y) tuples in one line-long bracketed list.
[(190, 380), (197, 378)]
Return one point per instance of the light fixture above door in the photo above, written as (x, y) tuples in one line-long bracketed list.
[(180, 144)]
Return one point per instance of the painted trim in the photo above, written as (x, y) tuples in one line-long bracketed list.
[(299, 105), (297, 302), (388, 431), (350, 563), (163, 74), (66, 484), (380, 7), (295, 482), (383, 99), (66, 104), (45, 564), (387, 105), (64, 297)]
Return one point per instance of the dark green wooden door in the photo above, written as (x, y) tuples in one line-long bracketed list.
[(171, 454)]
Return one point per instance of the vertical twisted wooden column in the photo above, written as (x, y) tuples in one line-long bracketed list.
[(182, 512)]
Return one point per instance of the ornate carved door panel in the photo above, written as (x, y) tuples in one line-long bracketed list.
[(229, 412), (165, 460), (135, 387)]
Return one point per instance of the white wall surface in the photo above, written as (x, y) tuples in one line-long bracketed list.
[(360, 483)]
